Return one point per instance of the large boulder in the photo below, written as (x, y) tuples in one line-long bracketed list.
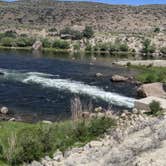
[(4, 110), (118, 78), (37, 45), (153, 89)]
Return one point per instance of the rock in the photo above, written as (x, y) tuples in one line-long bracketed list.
[(135, 111), (153, 89), (37, 45), (118, 78), (46, 122), (4, 110), (100, 115), (98, 109), (99, 74), (93, 115), (35, 163), (12, 119), (58, 156), (95, 143)]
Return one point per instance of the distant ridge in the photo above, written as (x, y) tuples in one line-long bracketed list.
[(103, 17)]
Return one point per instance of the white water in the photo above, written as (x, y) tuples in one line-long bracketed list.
[(75, 87)]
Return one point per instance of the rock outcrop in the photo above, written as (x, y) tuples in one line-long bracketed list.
[(37, 45), (154, 89)]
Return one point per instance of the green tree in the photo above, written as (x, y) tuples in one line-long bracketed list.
[(88, 32), (61, 44), (7, 42), (148, 47)]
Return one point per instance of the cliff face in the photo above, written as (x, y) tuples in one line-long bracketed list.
[(103, 17)]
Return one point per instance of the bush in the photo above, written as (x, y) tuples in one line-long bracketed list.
[(88, 32), (163, 50), (24, 42), (11, 34), (157, 30), (46, 43), (148, 47), (61, 44), (7, 42), (155, 108), (75, 35)]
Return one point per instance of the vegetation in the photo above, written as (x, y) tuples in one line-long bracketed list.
[(163, 50), (61, 44), (22, 142), (148, 48), (150, 74), (155, 108), (88, 32)]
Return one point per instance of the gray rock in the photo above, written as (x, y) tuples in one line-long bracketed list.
[(58, 156), (37, 45), (35, 163), (4, 110)]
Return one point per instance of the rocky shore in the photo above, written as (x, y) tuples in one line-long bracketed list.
[(138, 140)]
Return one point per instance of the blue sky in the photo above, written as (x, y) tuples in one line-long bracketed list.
[(131, 2)]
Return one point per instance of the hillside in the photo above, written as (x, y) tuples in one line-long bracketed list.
[(103, 17)]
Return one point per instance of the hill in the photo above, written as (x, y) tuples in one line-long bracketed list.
[(103, 17)]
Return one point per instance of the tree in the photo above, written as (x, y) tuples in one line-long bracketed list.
[(88, 32), (7, 42), (148, 47)]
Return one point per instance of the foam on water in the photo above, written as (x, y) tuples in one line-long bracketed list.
[(75, 87)]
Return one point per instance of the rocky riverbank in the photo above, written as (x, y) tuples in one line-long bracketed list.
[(137, 141)]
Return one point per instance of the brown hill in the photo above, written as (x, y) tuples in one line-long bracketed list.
[(103, 17)]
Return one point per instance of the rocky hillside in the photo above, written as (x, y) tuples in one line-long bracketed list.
[(103, 17)]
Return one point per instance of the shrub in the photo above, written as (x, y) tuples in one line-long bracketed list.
[(155, 108), (148, 47), (88, 32), (163, 50), (157, 30), (46, 43), (61, 44), (76, 46), (7, 42), (75, 35), (24, 42), (11, 34)]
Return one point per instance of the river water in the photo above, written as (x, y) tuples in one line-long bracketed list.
[(39, 86)]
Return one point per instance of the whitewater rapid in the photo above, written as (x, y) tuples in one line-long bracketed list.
[(76, 87)]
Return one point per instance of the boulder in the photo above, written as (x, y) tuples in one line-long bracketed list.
[(99, 74), (37, 45), (118, 78), (98, 109), (46, 122), (4, 110), (153, 89), (58, 156)]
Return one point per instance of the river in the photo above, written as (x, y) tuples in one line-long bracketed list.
[(39, 86)]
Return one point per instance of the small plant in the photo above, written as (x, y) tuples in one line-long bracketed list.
[(155, 108), (157, 30)]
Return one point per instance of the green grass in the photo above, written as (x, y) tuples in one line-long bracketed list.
[(23, 142), (150, 74)]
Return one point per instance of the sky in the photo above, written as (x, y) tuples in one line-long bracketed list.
[(129, 2)]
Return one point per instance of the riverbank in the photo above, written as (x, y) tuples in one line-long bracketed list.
[(138, 140), (23, 142)]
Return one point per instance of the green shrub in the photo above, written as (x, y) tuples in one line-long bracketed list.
[(75, 35), (24, 42), (155, 108), (8, 42), (11, 34), (157, 30), (163, 50), (88, 32), (148, 47), (46, 43), (61, 44)]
